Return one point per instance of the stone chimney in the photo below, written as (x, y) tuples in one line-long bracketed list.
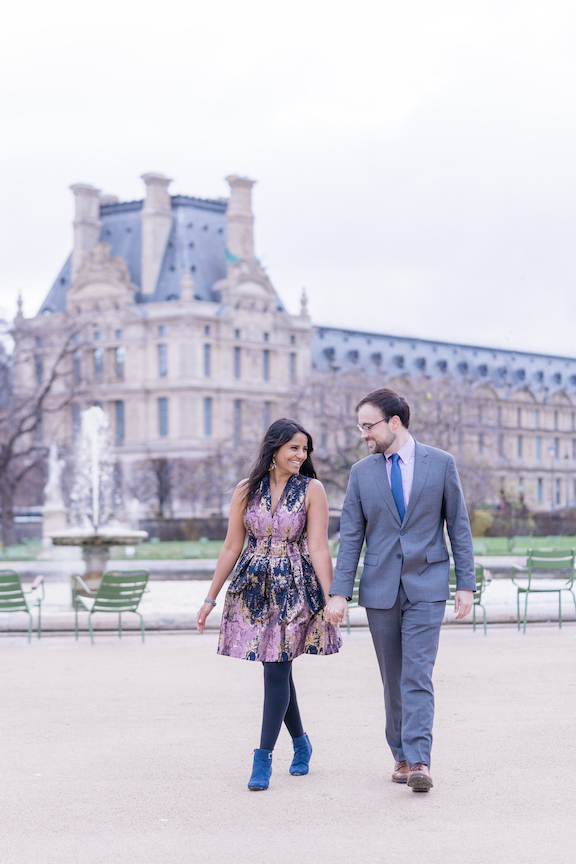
[(240, 218), (187, 286), (156, 224), (86, 223)]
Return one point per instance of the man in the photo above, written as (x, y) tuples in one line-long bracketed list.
[(399, 499)]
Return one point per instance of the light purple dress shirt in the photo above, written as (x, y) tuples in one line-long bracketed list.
[(407, 454)]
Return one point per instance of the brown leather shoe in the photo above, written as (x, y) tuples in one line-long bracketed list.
[(400, 773), (419, 778)]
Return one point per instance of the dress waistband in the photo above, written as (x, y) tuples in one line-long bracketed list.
[(273, 546)]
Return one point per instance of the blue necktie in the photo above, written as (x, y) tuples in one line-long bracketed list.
[(396, 484)]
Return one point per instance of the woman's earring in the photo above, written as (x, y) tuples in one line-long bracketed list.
[(272, 465)]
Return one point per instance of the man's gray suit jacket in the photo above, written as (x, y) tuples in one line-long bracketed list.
[(413, 550)]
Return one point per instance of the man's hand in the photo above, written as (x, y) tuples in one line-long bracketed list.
[(336, 609), (463, 603)]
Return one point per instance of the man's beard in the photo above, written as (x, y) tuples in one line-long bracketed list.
[(382, 446)]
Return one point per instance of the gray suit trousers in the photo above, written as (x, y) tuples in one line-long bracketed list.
[(406, 639)]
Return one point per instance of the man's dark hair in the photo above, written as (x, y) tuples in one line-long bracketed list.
[(390, 403)]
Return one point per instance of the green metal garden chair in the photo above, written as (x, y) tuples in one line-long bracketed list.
[(538, 559), (519, 544), (353, 603), (13, 598), (497, 546), (119, 592), (477, 602)]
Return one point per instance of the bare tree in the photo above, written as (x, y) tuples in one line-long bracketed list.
[(439, 419), (208, 483), (152, 482), (441, 410), (330, 400), (28, 398)]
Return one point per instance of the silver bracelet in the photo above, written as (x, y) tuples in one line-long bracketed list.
[(208, 600)]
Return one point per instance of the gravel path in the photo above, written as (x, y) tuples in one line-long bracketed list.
[(123, 753)]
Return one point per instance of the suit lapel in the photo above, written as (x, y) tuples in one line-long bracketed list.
[(381, 477), (421, 465)]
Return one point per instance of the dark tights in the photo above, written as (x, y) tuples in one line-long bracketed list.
[(280, 704)]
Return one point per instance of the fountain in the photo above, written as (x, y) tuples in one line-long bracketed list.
[(95, 500)]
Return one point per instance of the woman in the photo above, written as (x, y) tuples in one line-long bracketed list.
[(273, 610)]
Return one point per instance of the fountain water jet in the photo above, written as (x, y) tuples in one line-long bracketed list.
[(92, 501)]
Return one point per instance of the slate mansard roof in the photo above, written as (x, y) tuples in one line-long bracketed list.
[(197, 241), (333, 348)]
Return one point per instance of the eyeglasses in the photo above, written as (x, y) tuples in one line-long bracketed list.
[(366, 427)]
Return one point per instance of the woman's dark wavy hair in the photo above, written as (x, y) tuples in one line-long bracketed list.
[(279, 433)]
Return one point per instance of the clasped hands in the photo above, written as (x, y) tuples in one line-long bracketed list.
[(336, 608)]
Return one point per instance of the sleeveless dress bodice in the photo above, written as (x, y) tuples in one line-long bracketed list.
[(273, 607)]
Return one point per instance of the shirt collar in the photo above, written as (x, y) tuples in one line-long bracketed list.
[(405, 452)]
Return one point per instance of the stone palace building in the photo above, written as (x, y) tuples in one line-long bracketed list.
[(183, 340)]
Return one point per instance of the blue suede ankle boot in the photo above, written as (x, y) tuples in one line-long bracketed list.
[(302, 754), (261, 770)]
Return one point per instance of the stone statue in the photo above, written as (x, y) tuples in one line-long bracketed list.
[(54, 513), (53, 499)]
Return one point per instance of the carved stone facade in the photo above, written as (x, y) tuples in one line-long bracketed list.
[(183, 340), (181, 336), (516, 412)]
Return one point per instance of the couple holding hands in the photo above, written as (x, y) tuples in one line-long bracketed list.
[(284, 599)]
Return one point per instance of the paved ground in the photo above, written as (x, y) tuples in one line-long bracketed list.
[(123, 753)]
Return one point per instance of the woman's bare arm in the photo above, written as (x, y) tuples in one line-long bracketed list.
[(229, 554), (317, 510)]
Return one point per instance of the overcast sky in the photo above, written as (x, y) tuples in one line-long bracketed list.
[(415, 160)]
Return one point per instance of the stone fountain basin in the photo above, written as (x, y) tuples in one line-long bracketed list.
[(103, 537), (95, 548)]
